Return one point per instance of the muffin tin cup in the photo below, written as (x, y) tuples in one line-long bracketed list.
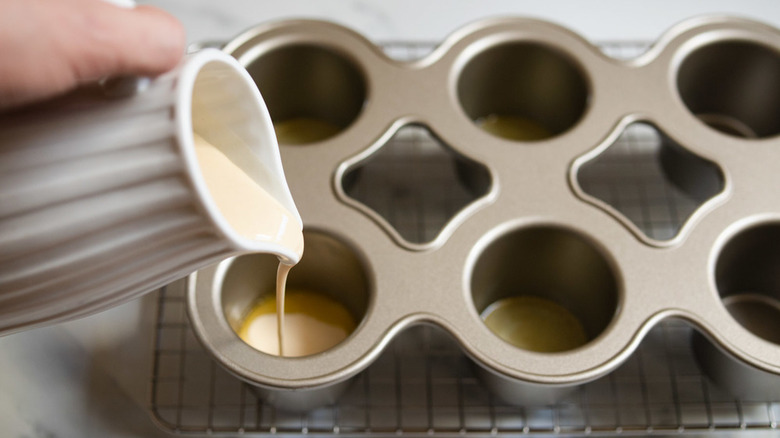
[(532, 230)]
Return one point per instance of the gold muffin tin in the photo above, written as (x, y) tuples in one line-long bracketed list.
[(710, 86)]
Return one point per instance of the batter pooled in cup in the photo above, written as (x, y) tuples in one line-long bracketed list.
[(535, 324), (312, 323), (303, 130), (516, 128)]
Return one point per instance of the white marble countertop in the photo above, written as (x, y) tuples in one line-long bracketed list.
[(432, 20), (90, 378)]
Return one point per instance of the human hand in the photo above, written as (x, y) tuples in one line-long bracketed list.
[(48, 47)]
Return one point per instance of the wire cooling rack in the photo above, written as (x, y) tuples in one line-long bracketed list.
[(423, 384)]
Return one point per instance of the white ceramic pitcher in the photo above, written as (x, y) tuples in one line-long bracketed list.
[(102, 199)]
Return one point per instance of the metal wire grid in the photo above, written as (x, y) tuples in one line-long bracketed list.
[(423, 384)]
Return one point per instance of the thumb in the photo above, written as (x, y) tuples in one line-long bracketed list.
[(48, 47), (121, 41)]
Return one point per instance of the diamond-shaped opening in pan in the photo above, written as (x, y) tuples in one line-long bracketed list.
[(651, 180), (417, 183)]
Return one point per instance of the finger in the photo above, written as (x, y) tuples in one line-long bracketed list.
[(114, 41), (51, 46)]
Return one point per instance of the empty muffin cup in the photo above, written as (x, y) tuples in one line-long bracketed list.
[(747, 278), (553, 271), (328, 293), (760, 315), (312, 92), (523, 91), (734, 87), (746, 275), (739, 379), (545, 289)]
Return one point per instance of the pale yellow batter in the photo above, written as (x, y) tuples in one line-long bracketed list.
[(535, 324), (304, 130), (312, 322), (514, 128)]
